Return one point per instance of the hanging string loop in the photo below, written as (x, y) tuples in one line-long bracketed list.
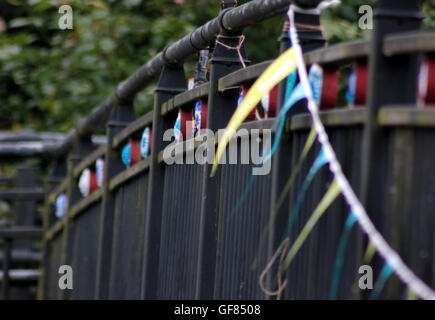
[(241, 39)]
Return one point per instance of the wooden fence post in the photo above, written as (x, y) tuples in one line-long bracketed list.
[(282, 168), (81, 148), (172, 81), (121, 116), (6, 267), (24, 215), (25, 210), (221, 106), (57, 174), (391, 80)]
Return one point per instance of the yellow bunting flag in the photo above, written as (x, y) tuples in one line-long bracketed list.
[(289, 185), (369, 253), (276, 72), (330, 196)]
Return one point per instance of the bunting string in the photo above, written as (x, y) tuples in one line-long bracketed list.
[(290, 61), (276, 72), (369, 253), (289, 184), (386, 273), (318, 164), (382, 247), (330, 196), (350, 222), (288, 256), (288, 187), (280, 121)]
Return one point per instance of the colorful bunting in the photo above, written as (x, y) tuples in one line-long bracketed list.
[(350, 222), (330, 196), (276, 72)]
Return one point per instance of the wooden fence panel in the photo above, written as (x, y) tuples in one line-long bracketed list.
[(240, 229), (128, 238), (310, 274), (180, 232), (51, 271), (85, 252)]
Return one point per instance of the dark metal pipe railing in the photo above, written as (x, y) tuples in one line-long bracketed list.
[(15, 150), (16, 145), (229, 20), (25, 135)]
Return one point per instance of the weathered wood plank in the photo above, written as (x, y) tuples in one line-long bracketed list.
[(242, 76), (191, 96), (22, 194), (89, 160), (335, 55), (54, 230), (130, 173), (409, 43), (61, 188), (85, 203), (410, 117), (134, 127), (330, 118), (21, 232), (339, 54)]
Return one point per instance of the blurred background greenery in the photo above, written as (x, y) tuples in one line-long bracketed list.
[(50, 78)]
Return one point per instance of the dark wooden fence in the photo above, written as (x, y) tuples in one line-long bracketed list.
[(20, 258), (157, 231)]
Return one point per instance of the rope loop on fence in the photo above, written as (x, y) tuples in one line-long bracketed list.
[(281, 286), (308, 28), (237, 48)]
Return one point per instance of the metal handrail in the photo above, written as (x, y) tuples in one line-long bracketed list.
[(229, 20)]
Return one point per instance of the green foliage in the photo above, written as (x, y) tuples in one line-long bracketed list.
[(50, 78)]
